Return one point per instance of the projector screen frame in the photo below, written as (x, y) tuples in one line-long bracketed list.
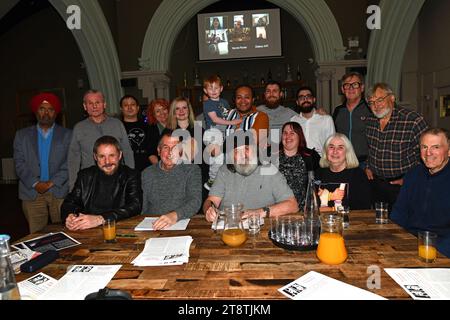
[(239, 35)]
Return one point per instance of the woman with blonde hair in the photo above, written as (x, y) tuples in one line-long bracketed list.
[(340, 175)]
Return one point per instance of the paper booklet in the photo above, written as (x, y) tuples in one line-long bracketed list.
[(316, 286), (81, 280), (423, 284), (164, 251), (34, 287), (51, 241), (147, 224)]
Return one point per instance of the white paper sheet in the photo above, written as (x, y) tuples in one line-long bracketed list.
[(81, 280), (423, 284), (316, 286), (221, 223), (35, 286), (147, 224), (164, 251)]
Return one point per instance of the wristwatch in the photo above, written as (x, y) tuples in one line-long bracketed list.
[(266, 211)]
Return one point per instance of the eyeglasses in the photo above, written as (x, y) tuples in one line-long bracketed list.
[(307, 97), (353, 85), (378, 101)]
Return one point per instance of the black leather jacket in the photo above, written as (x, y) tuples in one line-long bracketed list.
[(127, 194)]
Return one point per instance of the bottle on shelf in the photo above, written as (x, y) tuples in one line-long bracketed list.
[(299, 74), (8, 285), (185, 80), (269, 75), (288, 73)]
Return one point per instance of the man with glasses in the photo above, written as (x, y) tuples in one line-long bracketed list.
[(349, 118), (316, 127), (393, 136), (86, 132)]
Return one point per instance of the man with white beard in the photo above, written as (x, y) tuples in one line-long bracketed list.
[(393, 136), (247, 182)]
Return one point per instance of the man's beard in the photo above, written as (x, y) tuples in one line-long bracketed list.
[(383, 114), (46, 121), (110, 173), (307, 109), (245, 169), (273, 104)]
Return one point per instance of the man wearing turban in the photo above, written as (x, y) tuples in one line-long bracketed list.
[(40, 157)]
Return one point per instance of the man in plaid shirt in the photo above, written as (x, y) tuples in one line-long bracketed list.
[(393, 136)]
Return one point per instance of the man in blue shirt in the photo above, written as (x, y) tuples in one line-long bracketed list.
[(40, 156), (422, 204)]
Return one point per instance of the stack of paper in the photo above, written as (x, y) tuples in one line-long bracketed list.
[(147, 224), (316, 286), (164, 251), (76, 284)]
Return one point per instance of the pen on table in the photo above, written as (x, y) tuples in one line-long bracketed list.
[(126, 235)]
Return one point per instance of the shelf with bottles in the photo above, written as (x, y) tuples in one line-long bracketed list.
[(195, 93)]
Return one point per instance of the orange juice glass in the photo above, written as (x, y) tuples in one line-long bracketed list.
[(109, 230), (427, 246)]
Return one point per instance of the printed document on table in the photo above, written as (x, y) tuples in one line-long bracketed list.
[(316, 286), (147, 224), (164, 251), (423, 284), (221, 223), (35, 286), (80, 281)]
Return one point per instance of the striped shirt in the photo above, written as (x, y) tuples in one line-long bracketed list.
[(395, 150)]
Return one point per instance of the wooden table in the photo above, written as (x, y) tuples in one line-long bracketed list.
[(253, 271)]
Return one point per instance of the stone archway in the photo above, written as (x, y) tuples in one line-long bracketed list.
[(97, 48), (314, 15), (387, 46)]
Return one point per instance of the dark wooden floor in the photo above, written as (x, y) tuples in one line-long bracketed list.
[(12, 220)]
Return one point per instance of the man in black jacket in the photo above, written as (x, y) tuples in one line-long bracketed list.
[(107, 190)]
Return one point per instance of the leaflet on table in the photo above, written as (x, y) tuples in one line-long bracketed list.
[(147, 224), (164, 251), (51, 241), (20, 256), (35, 286), (221, 223), (80, 281), (316, 286), (423, 284)]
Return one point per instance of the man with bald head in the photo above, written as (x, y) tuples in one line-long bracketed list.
[(86, 132), (40, 156)]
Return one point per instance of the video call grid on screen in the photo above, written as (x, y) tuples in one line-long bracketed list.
[(239, 34)]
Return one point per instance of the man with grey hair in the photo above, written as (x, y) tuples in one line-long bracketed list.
[(246, 181), (393, 136), (172, 189), (86, 132), (422, 203)]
